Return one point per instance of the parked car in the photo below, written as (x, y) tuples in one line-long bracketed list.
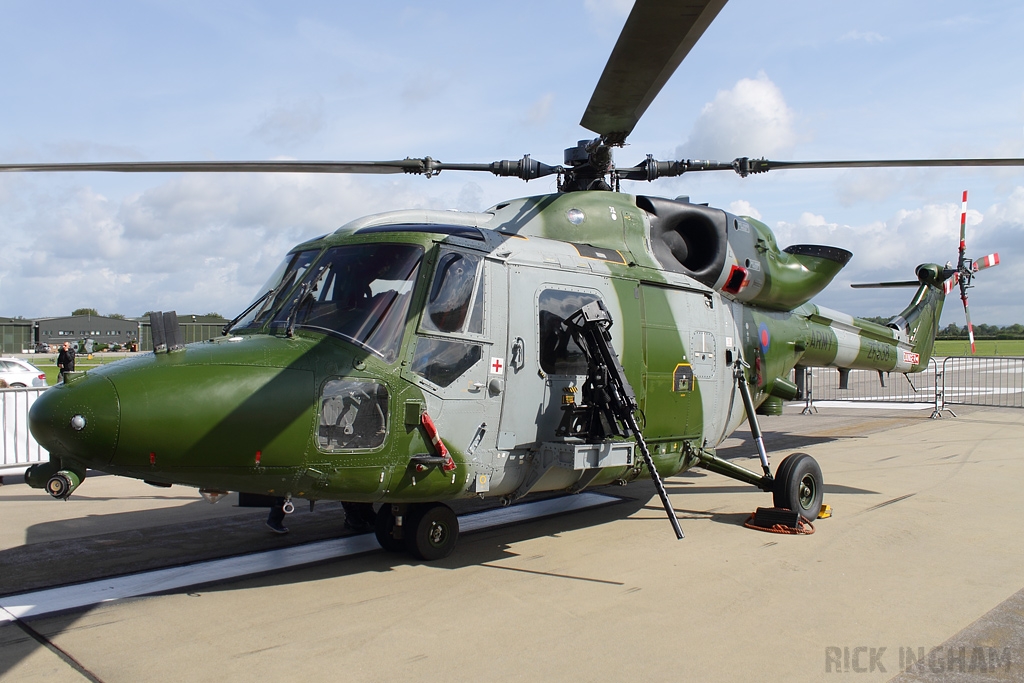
[(20, 373)]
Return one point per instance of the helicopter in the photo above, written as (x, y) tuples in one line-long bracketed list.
[(549, 343)]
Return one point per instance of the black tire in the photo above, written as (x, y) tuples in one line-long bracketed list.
[(17, 385), (383, 528), (433, 531), (799, 486)]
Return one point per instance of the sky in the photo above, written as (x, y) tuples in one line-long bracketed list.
[(152, 80)]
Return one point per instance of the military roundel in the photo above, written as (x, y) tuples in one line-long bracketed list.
[(764, 337)]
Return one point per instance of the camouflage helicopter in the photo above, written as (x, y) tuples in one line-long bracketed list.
[(549, 343)]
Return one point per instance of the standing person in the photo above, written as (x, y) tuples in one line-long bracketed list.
[(275, 520), (66, 361)]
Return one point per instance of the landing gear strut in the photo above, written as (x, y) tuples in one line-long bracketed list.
[(797, 484), (428, 531)]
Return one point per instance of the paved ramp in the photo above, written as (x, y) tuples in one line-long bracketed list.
[(920, 563)]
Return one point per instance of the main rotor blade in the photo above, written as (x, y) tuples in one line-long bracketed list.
[(881, 285), (744, 166), (657, 36), (406, 165), (763, 165), (525, 168)]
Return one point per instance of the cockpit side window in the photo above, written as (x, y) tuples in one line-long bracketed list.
[(455, 301), (442, 361)]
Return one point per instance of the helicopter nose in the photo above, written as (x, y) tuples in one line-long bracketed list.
[(78, 419)]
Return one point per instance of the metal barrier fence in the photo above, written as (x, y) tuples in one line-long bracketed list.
[(954, 380), (19, 448), (867, 385), (986, 381)]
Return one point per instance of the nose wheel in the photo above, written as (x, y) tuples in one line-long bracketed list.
[(428, 531), (434, 532), (799, 486)]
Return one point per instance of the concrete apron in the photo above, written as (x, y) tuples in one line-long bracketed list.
[(924, 544)]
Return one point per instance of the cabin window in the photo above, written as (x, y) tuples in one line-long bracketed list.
[(455, 301), (353, 415), (442, 361), (360, 293), (559, 353)]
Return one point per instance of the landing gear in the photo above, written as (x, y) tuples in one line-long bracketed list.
[(385, 530), (799, 486), (433, 531), (428, 531)]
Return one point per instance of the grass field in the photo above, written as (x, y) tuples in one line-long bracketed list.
[(48, 364), (984, 347)]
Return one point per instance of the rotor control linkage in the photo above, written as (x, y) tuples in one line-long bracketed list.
[(748, 405), (607, 390)]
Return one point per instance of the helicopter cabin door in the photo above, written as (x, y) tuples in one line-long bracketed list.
[(544, 364), (686, 341), (458, 361)]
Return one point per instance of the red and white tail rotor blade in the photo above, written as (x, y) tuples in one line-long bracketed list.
[(963, 273), (970, 327), (950, 283), (987, 262), (963, 230)]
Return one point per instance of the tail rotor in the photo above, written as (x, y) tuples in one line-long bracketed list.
[(966, 269)]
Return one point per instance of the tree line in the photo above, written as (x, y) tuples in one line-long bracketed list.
[(981, 331), (120, 316)]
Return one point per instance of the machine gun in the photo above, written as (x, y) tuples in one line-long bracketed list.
[(608, 403)]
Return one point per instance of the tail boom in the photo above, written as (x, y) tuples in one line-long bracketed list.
[(905, 344)]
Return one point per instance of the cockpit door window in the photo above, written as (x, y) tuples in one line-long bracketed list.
[(455, 301), (450, 353)]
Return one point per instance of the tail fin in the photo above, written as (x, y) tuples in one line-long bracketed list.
[(920, 320)]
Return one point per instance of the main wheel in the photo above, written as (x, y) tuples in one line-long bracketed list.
[(432, 532), (799, 486), (384, 527)]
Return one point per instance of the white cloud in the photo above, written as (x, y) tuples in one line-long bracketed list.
[(743, 208), (883, 250), (889, 250), (195, 243), (752, 118)]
